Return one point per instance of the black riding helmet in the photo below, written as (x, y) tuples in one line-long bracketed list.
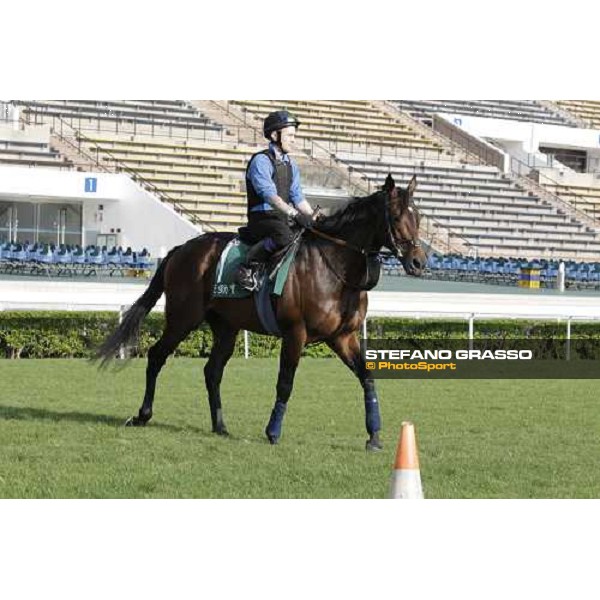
[(279, 120)]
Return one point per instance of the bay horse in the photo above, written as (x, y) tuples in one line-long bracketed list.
[(322, 301)]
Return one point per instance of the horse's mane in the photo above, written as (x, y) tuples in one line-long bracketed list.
[(351, 214)]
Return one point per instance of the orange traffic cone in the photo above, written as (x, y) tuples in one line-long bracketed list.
[(406, 480)]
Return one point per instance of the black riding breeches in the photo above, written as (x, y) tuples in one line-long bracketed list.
[(271, 224)]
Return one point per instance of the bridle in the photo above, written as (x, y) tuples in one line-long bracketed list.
[(397, 247)]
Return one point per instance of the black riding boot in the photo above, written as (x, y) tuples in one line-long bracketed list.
[(247, 275)]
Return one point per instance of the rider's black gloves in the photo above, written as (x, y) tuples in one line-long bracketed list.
[(305, 221)]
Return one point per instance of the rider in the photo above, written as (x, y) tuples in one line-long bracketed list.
[(274, 196)]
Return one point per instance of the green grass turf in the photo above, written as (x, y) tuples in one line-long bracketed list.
[(62, 434)]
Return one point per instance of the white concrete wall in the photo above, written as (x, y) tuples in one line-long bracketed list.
[(143, 220), (53, 184), (571, 178)]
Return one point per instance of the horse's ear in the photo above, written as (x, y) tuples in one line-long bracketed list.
[(412, 186), (390, 186)]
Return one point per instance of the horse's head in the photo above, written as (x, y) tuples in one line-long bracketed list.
[(402, 221)]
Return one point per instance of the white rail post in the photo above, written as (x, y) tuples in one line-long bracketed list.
[(246, 344), (560, 278), (471, 327), (121, 347), (568, 357), (364, 329)]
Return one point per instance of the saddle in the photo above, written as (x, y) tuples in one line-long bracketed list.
[(271, 283)]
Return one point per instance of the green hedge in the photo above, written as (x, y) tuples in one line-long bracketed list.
[(77, 334), (64, 334)]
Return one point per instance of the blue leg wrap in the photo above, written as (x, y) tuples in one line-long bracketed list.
[(372, 418), (276, 420)]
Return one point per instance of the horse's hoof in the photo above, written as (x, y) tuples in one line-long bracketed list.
[(134, 422), (273, 440), (221, 431), (373, 446)]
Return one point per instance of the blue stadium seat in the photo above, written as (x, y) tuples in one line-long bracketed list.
[(68, 260)]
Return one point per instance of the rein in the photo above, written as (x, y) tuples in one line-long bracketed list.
[(344, 244), (339, 277), (338, 241)]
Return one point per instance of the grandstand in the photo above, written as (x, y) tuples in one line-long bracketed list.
[(529, 111), (203, 179), (31, 154), (350, 125), (583, 197), (171, 118), (587, 111), (190, 156), (485, 207), (31, 149)]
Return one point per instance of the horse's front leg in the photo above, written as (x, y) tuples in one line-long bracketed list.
[(347, 347), (291, 349)]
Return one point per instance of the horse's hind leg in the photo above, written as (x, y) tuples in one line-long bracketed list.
[(175, 331), (223, 346), (347, 348)]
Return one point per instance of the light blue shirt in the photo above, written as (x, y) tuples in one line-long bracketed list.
[(261, 174)]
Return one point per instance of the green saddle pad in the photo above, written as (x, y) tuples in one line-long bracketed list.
[(232, 257)]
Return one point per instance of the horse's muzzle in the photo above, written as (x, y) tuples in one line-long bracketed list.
[(414, 263)]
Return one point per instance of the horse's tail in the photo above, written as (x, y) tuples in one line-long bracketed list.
[(132, 320)]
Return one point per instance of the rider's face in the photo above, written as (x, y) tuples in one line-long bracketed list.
[(288, 139)]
